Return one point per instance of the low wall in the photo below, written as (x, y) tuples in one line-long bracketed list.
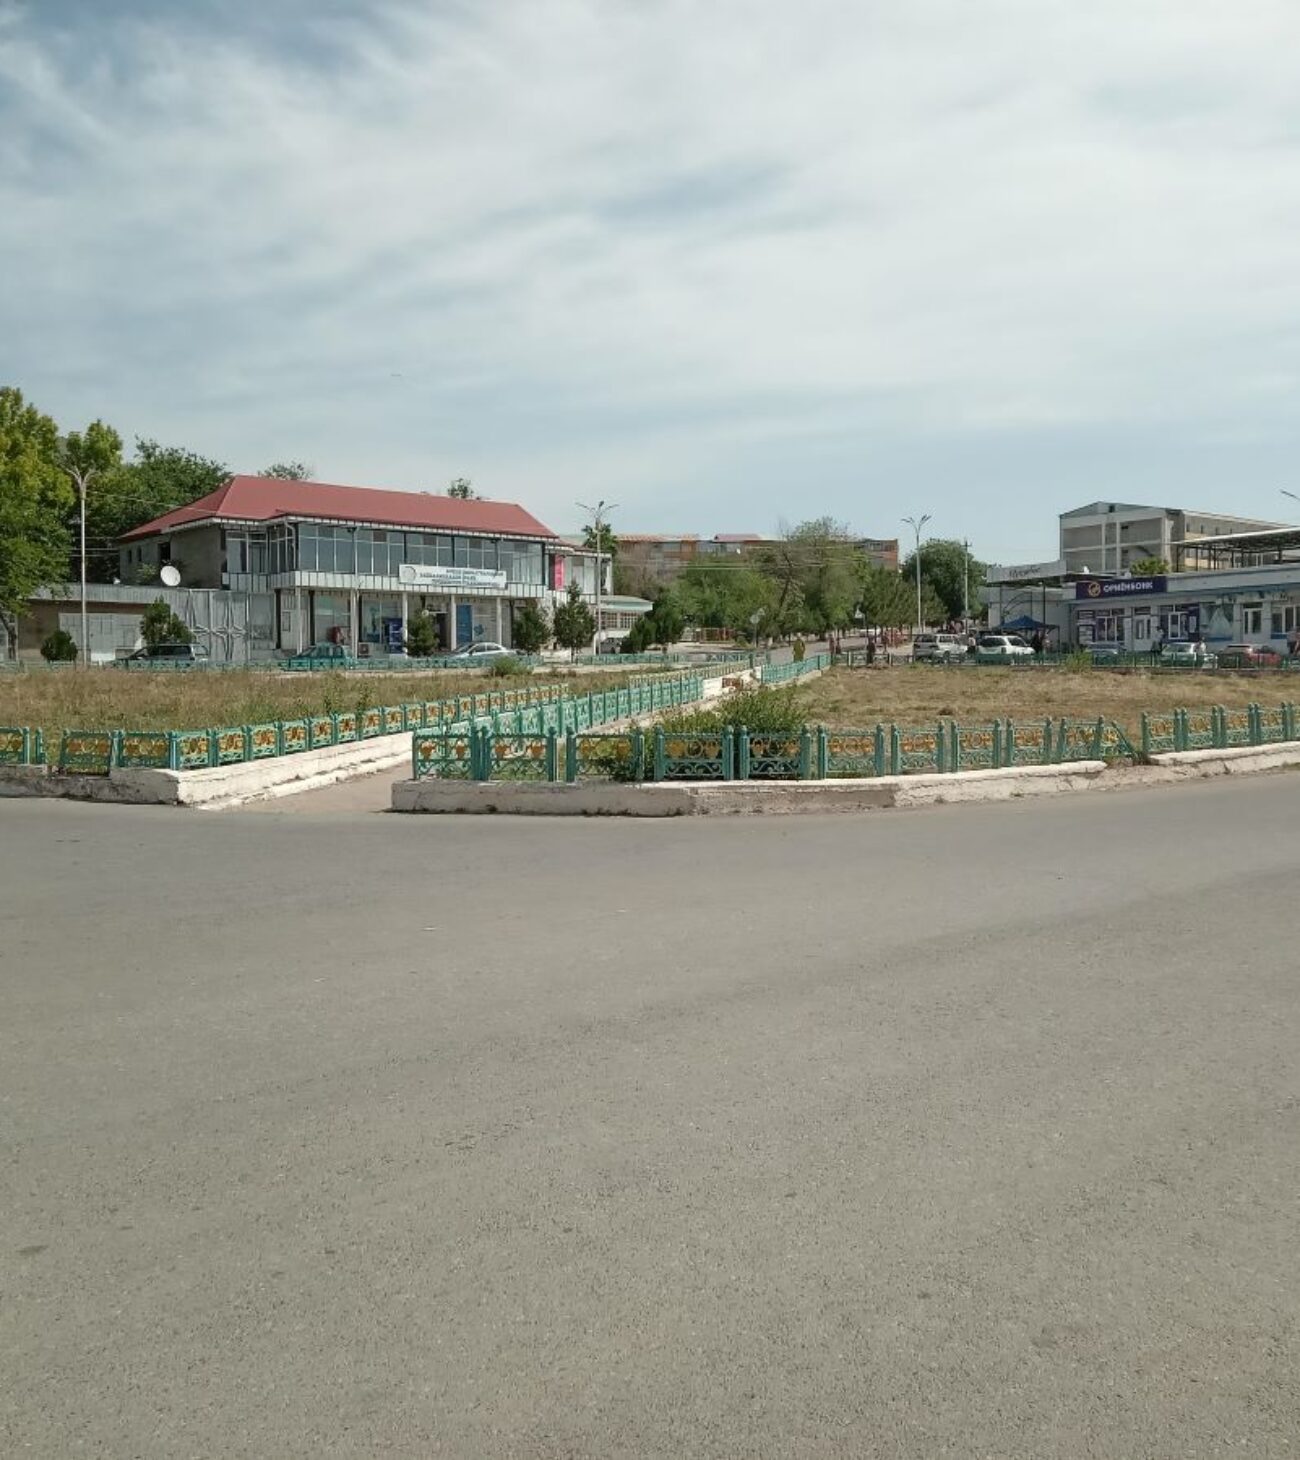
[(216, 786), (731, 798), (1238, 761)]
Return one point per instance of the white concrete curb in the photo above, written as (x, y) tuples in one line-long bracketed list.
[(769, 798), (1241, 760), (218, 786)]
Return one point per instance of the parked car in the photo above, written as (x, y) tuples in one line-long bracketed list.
[(938, 648), (1001, 648), (1104, 653), (169, 654), (1186, 654), (484, 649), (1248, 656), (322, 656)]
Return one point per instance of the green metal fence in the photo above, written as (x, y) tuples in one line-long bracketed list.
[(814, 752), (1218, 729), (505, 713), (795, 669)]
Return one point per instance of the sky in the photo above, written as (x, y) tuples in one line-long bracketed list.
[(728, 265)]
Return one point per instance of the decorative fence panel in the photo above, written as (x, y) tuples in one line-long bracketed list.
[(693, 757), (606, 756), (21, 745), (87, 752)]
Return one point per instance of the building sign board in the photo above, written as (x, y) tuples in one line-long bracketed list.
[(427, 575), (1096, 589), (1024, 572)]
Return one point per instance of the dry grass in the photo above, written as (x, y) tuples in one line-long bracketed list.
[(112, 699), (857, 699)]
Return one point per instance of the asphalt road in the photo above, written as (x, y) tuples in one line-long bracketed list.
[(971, 1132)]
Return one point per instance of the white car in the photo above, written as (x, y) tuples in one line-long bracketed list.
[(484, 649), (938, 647), (998, 648)]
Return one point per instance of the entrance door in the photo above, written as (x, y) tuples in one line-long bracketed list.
[(464, 624)]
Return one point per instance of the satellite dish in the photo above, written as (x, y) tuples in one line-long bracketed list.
[(171, 576)]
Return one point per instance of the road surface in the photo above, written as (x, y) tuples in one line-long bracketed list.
[(973, 1132)]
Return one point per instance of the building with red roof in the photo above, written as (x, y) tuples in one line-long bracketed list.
[(350, 565)]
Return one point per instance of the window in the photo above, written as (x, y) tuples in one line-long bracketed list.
[(1142, 628), (522, 561), (475, 552), (1173, 624), (1286, 618), (1252, 618)]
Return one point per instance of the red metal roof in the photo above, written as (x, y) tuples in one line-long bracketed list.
[(261, 499)]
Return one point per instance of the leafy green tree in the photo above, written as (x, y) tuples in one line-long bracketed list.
[(36, 498), (944, 564), (666, 620), (287, 471), (532, 630), (815, 568), (463, 490), (1149, 568), (725, 597), (421, 637), (608, 543), (574, 623), (160, 625), (640, 637)]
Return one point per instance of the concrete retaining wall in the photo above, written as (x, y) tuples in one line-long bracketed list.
[(1239, 761), (730, 798), (217, 786)]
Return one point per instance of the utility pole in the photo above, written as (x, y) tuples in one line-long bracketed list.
[(81, 480), (965, 584), (598, 515), (917, 525)]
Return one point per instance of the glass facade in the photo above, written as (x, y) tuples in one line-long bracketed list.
[(380, 552)]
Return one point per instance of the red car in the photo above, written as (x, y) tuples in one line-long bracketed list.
[(1249, 656)]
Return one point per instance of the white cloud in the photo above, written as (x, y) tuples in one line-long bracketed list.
[(564, 242)]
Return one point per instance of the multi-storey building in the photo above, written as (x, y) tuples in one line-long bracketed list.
[(1109, 537), (351, 565)]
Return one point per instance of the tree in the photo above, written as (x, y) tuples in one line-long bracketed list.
[(665, 620), (607, 542), (90, 459), (1149, 568), (944, 565), (36, 498), (287, 471), (725, 597), (887, 600), (640, 636), (463, 490), (532, 631), (574, 623), (421, 637), (816, 570), (160, 625)]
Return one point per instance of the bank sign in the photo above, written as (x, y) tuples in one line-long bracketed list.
[(426, 575), (1095, 589)]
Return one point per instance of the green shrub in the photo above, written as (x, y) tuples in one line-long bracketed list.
[(762, 709), (506, 667), (59, 647), (159, 625)]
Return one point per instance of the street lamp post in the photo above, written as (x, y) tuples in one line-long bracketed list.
[(965, 585), (81, 480), (598, 516), (917, 525)]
